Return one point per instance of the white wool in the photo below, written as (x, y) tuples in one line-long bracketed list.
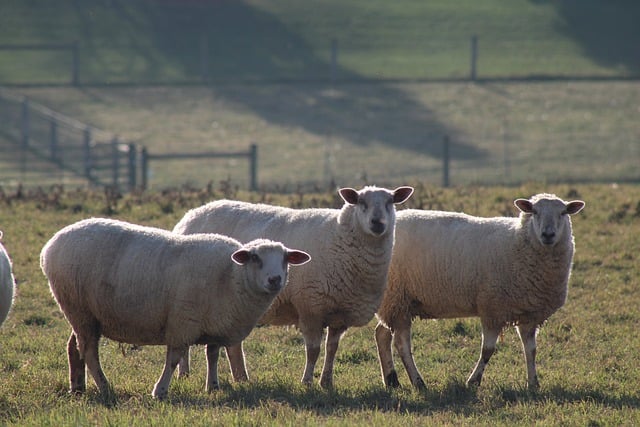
[(502, 270), (351, 250), (147, 286)]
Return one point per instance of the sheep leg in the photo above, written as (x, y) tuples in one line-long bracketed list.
[(528, 335), (402, 343), (213, 354), (385, 356), (184, 365), (312, 341), (174, 354), (235, 355), (77, 376), (330, 350), (489, 339), (88, 350)]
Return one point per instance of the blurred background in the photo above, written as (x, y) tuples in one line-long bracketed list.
[(284, 94)]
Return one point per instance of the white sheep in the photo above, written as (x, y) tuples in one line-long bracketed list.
[(343, 287), (147, 286), (507, 271), (7, 283)]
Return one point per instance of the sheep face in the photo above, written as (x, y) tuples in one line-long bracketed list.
[(267, 263), (375, 210), (550, 220)]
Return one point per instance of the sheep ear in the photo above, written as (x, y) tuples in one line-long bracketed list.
[(524, 205), (575, 206), (241, 256), (295, 257), (349, 195), (401, 194)]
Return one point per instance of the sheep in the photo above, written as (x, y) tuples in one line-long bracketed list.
[(147, 286), (507, 271), (351, 248), (7, 283)]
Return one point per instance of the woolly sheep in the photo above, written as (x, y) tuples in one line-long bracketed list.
[(343, 287), (147, 286), (503, 270), (7, 283)]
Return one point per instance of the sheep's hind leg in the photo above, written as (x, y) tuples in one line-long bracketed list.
[(174, 354), (213, 355), (77, 375), (88, 350), (237, 363), (330, 350), (385, 356), (489, 339), (312, 340), (528, 335), (402, 343)]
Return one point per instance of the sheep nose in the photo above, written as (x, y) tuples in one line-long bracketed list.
[(275, 282), (548, 237), (377, 226)]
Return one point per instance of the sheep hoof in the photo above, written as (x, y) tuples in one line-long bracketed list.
[(392, 380), (419, 384)]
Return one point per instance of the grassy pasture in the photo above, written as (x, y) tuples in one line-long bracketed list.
[(588, 351), (147, 41), (500, 133)]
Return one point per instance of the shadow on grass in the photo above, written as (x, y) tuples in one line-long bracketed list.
[(248, 45)]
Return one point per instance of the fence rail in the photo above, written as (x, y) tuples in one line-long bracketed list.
[(45, 145)]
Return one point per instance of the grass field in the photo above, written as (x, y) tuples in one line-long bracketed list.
[(588, 351), (314, 134), (162, 42)]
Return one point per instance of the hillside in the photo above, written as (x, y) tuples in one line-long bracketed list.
[(148, 41)]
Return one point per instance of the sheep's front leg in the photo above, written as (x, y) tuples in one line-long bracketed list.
[(235, 354), (312, 340), (402, 343), (77, 376), (385, 356), (184, 365), (528, 335), (330, 350), (174, 354), (213, 354), (489, 339)]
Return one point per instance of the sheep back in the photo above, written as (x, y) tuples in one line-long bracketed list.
[(7, 283), (148, 286), (448, 265)]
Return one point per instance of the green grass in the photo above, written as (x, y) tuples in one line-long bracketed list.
[(587, 351), (148, 41), (388, 134)]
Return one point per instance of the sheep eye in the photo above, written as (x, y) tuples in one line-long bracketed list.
[(255, 258), (363, 204)]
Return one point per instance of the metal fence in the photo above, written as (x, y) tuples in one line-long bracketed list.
[(43, 145)]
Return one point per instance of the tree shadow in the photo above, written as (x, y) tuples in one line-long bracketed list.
[(608, 32), (248, 47)]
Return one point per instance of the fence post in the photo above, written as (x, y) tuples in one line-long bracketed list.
[(474, 57), (253, 167), (445, 161), (144, 165), (53, 140), (115, 163), (75, 52), (132, 166), (86, 143), (26, 126), (334, 60), (204, 57), (25, 129)]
